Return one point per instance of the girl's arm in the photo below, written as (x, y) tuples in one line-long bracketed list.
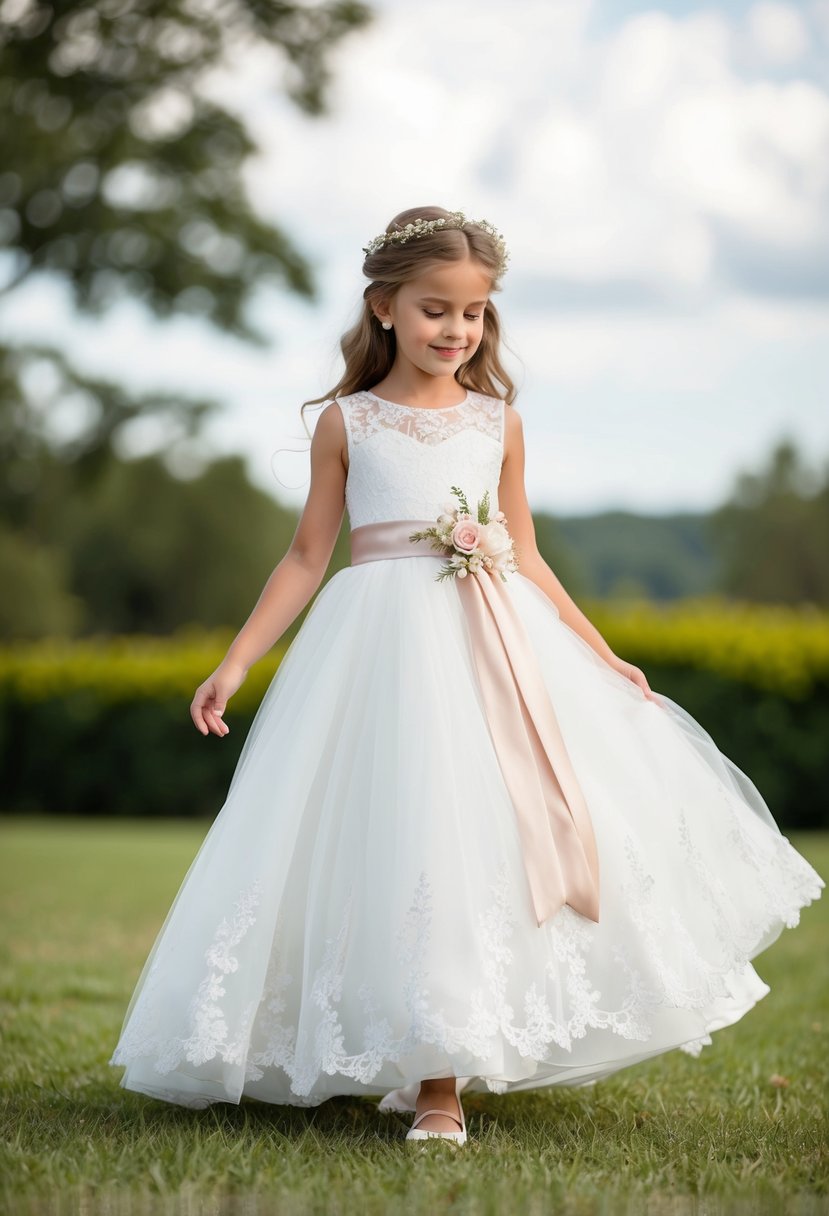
[(294, 580), (512, 500)]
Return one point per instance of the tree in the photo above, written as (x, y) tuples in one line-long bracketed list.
[(151, 552), (142, 551), (120, 175), (772, 535)]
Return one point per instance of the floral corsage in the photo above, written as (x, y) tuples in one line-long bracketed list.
[(473, 542)]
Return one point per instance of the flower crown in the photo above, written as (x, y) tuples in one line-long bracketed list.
[(422, 227)]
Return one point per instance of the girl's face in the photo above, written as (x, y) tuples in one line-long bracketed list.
[(438, 317)]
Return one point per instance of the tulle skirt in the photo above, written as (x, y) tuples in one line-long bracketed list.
[(358, 916)]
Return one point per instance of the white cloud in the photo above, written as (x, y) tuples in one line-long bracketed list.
[(754, 154), (777, 31), (597, 158), (631, 171)]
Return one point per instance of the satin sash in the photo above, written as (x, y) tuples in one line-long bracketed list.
[(556, 832)]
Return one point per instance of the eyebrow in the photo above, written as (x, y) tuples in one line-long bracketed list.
[(440, 300)]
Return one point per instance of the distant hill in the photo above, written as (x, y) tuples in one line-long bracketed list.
[(621, 553)]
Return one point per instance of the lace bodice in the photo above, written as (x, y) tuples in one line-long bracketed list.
[(404, 460)]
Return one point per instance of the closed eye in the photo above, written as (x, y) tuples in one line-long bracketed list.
[(470, 316)]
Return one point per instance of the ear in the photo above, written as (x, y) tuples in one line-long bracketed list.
[(381, 310)]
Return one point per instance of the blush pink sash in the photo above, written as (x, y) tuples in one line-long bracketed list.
[(556, 832)]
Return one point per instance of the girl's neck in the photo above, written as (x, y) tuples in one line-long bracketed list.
[(422, 391)]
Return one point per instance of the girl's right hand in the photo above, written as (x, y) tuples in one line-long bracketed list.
[(212, 696)]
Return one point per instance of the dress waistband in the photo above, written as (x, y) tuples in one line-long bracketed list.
[(371, 542), (554, 824)]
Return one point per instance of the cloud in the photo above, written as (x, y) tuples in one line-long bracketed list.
[(662, 180), (777, 32), (604, 160)]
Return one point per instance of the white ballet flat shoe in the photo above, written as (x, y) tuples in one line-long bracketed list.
[(417, 1133), (405, 1098)]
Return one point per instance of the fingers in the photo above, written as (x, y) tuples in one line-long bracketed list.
[(213, 715), (646, 688), (638, 676), (206, 711), (197, 715)]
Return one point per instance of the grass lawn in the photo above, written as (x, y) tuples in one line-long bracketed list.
[(674, 1135)]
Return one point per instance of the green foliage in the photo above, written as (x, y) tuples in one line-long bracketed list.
[(41, 457), (784, 650), (772, 536), (113, 715), (767, 543), (462, 500), (122, 174), (126, 670), (613, 554), (739, 1131), (150, 552), (121, 177), (139, 550), (36, 600), (483, 508)]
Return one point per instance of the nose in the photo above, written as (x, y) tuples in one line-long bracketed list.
[(452, 328)]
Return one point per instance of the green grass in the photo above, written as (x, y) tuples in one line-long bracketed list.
[(671, 1136)]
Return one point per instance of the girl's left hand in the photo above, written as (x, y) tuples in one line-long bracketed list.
[(635, 674)]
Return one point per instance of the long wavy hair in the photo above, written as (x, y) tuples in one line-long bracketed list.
[(369, 350)]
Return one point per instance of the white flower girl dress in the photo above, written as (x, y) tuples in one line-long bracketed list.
[(364, 910)]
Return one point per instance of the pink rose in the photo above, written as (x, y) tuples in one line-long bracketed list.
[(465, 535)]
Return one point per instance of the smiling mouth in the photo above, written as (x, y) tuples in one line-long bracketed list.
[(449, 349)]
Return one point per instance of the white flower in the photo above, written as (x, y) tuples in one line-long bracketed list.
[(494, 538), (422, 227)]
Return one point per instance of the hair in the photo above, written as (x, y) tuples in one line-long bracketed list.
[(369, 350)]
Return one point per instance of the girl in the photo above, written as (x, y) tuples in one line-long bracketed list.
[(466, 845)]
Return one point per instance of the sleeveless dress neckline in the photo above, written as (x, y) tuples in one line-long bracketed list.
[(426, 409)]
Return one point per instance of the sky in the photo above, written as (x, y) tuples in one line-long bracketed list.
[(661, 175)]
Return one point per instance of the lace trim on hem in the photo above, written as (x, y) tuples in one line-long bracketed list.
[(786, 880)]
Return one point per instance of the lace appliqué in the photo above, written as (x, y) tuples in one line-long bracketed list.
[(210, 1035), (655, 983), (369, 414), (780, 899), (403, 462), (490, 1013)]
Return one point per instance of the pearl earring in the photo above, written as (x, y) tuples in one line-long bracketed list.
[(386, 324)]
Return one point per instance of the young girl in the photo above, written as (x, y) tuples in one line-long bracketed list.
[(466, 845)]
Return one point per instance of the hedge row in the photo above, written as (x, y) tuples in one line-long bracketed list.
[(103, 726)]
